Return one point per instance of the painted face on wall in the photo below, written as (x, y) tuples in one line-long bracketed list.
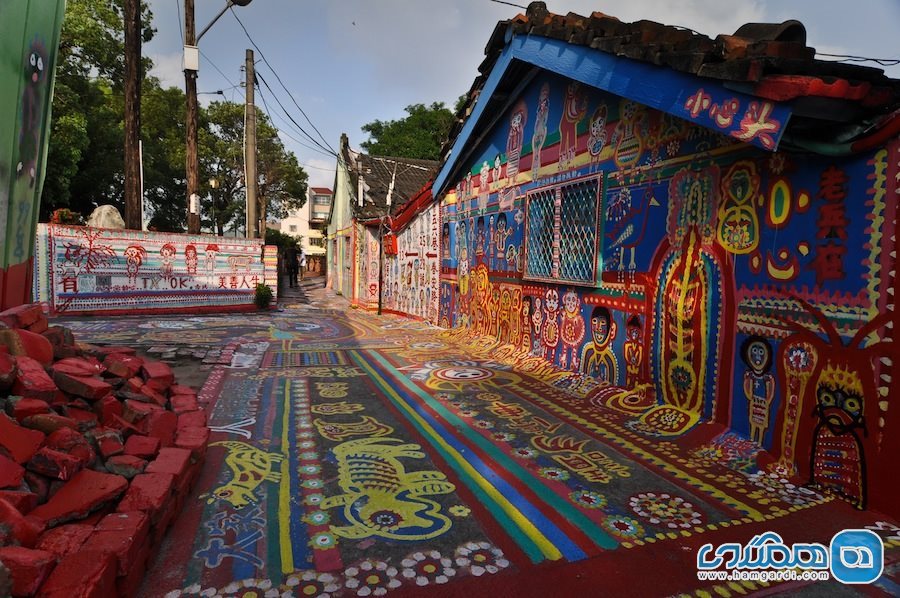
[(757, 354), (633, 330), (570, 302), (839, 401), (603, 329), (551, 300)]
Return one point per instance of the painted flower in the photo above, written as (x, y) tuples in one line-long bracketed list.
[(323, 541), (313, 583), (623, 528), (371, 578), (304, 434), (503, 436), (468, 413), (427, 567), (312, 500), (588, 499), (306, 444), (385, 519), (774, 484), (666, 510), (460, 510), (443, 396), (484, 424), (682, 378), (312, 483), (317, 518), (309, 456), (246, 587), (310, 469), (525, 453), (554, 473), (488, 396), (639, 427), (480, 557)]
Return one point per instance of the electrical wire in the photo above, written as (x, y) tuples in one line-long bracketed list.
[(274, 72), (322, 149), (510, 4), (851, 58), (269, 113)]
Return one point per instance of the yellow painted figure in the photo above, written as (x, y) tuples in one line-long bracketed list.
[(597, 358), (759, 384), (250, 467)]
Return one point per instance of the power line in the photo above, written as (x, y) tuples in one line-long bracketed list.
[(322, 149), (510, 4), (851, 58), (269, 113), (290, 95)]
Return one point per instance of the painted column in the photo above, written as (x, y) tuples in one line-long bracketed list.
[(29, 38)]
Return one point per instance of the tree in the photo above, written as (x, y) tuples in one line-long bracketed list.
[(282, 182), (418, 135), (163, 150)]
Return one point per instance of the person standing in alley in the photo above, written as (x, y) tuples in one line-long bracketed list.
[(291, 262), (302, 263)]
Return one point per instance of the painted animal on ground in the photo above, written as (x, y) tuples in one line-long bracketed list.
[(250, 467)]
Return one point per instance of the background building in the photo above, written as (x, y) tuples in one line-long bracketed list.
[(309, 223)]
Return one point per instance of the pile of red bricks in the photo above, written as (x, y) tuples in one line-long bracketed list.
[(98, 451)]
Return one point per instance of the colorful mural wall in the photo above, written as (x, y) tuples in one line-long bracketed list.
[(94, 270), (412, 278), (709, 278), (29, 36)]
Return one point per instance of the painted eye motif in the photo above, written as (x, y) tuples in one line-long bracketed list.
[(827, 399), (40, 63), (33, 59), (851, 404)]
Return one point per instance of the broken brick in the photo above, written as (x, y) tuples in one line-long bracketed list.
[(123, 366), (84, 418), (79, 366), (91, 388), (48, 423), (40, 326), (17, 529), (21, 316), (162, 425), (107, 408), (184, 403), (21, 443), (126, 466), (109, 442), (11, 473), (38, 484), (145, 447), (153, 395), (73, 443), (32, 380), (83, 574), (65, 539), (36, 346), (29, 568), (149, 492), (23, 501), (7, 371), (174, 461), (87, 491), (193, 439), (135, 411), (158, 375), (55, 464), (179, 389), (192, 419), (123, 534), (22, 407)]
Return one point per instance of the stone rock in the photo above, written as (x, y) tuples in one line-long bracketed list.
[(184, 403), (192, 419), (38, 484), (8, 371), (65, 539), (11, 343), (178, 389), (158, 375), (135, 411), (71, 442), (126, 466), (173, 461), (22, 407), (55, 464), (79, 366), (106, 216), (109, 442), (22, 315), (36, 346), (150, 493), (83, 574), (123, 534), (21, 443), (145, 447), (162, 425), (153, 395), (11, 473), (107, 409), (29, 568), (86, 492), (84, 418), (15, 528), (5, 581), (123, 366), (48, 423), (40, 326), (23, 501), (193, 439), (91, 388), (32, 380)]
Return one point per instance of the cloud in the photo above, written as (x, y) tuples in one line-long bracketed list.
[(167, 68), (321, 172)]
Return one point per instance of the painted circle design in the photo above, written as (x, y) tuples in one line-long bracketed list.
[(666, 510), (463, 374)]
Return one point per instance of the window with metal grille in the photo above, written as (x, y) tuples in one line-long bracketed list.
[(561, 234)]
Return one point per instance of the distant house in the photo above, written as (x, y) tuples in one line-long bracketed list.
[(708, 227), (371, 192), (309, 223)]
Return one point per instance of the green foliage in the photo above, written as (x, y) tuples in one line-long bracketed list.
[(263, 296), (282, 240), (418, 135)]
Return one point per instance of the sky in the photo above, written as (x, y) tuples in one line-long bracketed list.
[(349, 62)]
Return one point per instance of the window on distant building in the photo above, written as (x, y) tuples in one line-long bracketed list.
[(322, 200), (561, 232), (320, 215), (292, 228)]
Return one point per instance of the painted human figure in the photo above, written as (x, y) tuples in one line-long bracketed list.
[(190, 259), (526, 323), (492, 242), (598, 136), (539, 136), (550, 329), (212, 250), (469, 189), (537, 320), (134, 257), (167, 260), (483, 191), (574, 109), (515, 317), (514, 141), (633, 351), (500, 236), (479, 240), (759, 384), (597, 358), (462, 257), (497, 170), (571, 330), (504, 317)]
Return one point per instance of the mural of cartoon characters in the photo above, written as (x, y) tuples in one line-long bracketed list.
[(514, 138), (539, 136), (190, 259), (479, 240), (550, 329), (759, 384), (571, 330), (574, 109), (36, 74), (484, 191), (537, 320), (212, 250), (526, 323), (597, 357), (167, 260), (498, 257), (134, 257), (597, 139), (628, 136), (633, 352)]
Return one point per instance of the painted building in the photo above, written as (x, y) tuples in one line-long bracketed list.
[(29, 36), (706, 226), (370, 195), (309, 223)]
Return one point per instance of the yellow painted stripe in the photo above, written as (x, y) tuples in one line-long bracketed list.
[(284, 487), (547, 548)]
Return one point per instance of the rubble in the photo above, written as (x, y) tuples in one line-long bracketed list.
[(99, 448)]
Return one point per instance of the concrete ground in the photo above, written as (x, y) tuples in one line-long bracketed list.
[(354, 454)]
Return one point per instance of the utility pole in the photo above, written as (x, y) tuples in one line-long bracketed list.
[(250, 178), (133, 204), (192, 163)]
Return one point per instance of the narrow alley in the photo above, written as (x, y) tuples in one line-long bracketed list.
[(354, 454)]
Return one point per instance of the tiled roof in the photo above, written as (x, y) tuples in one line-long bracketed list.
[(768, 60), (409, 176), (321, 190)]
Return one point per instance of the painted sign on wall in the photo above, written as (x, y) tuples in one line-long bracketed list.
[(83, 269)]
